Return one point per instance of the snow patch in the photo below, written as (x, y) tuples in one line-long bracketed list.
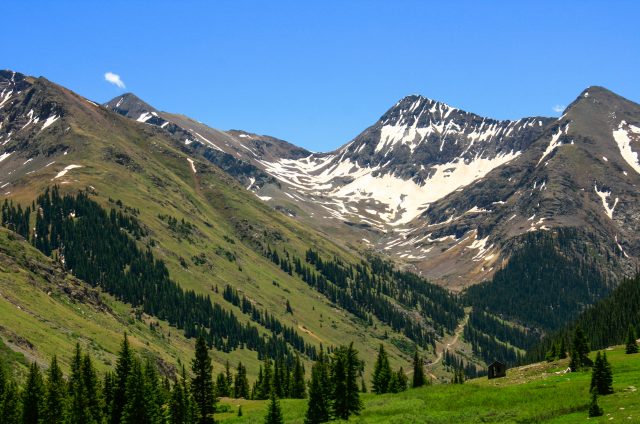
[(622, 137), (193, 166), (65, 170), (50, 120), (603, 196)]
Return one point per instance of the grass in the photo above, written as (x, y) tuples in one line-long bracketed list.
[(530, 394), (162, 183)]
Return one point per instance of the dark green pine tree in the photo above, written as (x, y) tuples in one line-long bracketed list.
[(202, 388), (229, 377), (297, 388), (418, 371), (135, 409), (91, 389), (264, 389), (78, 408), (55, 395), (33, 396), (180, 405), (277, 380), (123, 368), (10, 404), (318, 407), (345, 366), (579, 351), (562, 351), (381, 372), (596, 373), (222, 389), (606, 387), (274, 413), (632, 344), (241, 383), (401, 381), (594, 408), (154, 394)]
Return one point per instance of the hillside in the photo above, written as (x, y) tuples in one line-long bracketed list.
[(533, 393), (207, 229)]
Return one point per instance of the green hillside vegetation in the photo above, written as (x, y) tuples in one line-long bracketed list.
[(210, 232), (533, 393), (607, 322), (46, 311)]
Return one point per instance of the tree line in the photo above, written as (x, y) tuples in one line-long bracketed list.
[(99, 247)]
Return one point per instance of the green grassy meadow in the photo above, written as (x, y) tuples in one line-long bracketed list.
[(530, 394)]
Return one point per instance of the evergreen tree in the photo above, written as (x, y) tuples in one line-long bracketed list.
[(264, 389), (274, 413), (579, 351), (123, 368), (363, 385), (344, 373), (78, 406), (55, 395), (154, 395), (381, 372), (222, 389), (418, 371), (594, 408), (562, 352), (33, 396), (202, 384), (10, 404), (297, 387), (401, 381), (180, 406), (90, 387), (607, 377), (551, 354), (241, 384), (318, 406), (632, 344), (135, 409)]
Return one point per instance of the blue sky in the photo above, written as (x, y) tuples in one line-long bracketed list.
[(318, 73)]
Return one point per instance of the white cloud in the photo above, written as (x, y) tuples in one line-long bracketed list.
[(558, 108), (114, 79)]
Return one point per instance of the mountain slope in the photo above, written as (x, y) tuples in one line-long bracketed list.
[(207, 228)]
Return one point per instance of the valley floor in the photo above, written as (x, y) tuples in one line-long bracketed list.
[(530, 394)]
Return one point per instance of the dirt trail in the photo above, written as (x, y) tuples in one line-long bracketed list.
[(452, 340)]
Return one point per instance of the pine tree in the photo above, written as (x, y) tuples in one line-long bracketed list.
[(418, 371), (180, 405), (594, 408), (297, 386), (202, 384), (632, 344), (318, 406), (274, 413), (579, 351), (123, 368), (401, 381), (229, 377), (154, 397), (55, 395), (90, 387), (264, 389), (33, 396), (551, 354), (363, 385), (135, 409), (241, 384), (222, 389), (10, 404), (344, 373), (607, 376), (562, 352), (381, 372)]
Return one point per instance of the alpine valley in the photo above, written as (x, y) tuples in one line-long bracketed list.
[(466, 238)]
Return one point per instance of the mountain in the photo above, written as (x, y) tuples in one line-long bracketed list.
[(130, 209), (449, 193)]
